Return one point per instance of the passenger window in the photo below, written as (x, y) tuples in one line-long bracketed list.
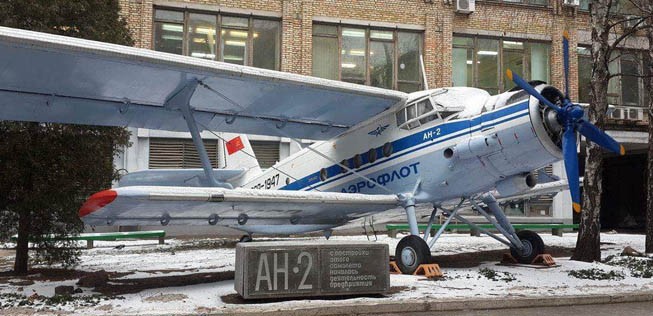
[(323, 174), (343, 163), (358, 161), (371, 155), (387, 149)]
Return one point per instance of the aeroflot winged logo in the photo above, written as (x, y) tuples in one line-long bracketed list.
[(379, 130)]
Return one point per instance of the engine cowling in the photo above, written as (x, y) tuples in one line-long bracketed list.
[(474, 147), (516, 184)]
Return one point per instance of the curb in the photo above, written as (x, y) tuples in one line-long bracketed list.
[(434, 305)]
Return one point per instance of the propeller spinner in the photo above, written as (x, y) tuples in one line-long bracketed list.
[(570, 116)]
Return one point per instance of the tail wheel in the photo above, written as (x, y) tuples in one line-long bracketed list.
[(246, 238), (533, 246), (411, 252)]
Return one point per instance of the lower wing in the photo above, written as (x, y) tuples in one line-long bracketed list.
[(154, 205)]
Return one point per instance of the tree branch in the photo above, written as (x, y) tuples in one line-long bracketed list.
[(621, 74), (625, 35)]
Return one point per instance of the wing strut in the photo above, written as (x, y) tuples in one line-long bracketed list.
[(180, 100)]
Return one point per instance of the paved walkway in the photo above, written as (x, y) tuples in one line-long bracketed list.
[(636, 308)]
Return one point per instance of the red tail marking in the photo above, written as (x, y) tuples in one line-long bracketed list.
[(97, 201)]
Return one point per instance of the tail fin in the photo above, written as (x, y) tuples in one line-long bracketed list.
[(238, 154)]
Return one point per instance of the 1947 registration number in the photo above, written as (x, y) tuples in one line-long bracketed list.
[(269, 183)]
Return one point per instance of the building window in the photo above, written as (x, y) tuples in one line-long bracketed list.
[(481, 62), (625, 90), (531, 2), (238, 40), (377, 57)]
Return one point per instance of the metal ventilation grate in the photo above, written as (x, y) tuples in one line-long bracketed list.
[(179, 153)]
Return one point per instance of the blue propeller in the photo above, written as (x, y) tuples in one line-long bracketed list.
[(570, 116)]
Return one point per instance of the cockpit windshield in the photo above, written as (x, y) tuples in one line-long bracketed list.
[(439, 105)]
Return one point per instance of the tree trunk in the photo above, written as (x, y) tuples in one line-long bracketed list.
[(649, 88), (22, 244), (589, 237), (24, 214)]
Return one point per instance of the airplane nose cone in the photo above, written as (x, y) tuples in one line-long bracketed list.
[(97, 201)]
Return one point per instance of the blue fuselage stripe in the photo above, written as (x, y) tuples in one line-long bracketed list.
[(447, 131)]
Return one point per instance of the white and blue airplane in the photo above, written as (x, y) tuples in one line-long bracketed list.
[(377, 149)]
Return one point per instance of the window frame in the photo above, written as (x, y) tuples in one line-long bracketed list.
[(433, 116), (526, 56), (368, 40), (218, 20), (521, 3), (637, 56)]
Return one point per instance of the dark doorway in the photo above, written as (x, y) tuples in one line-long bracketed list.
[(624, 193)]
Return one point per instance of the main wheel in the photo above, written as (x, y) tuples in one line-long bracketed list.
[(533, 246), (411, 252)]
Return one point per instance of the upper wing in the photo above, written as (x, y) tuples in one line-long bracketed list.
[(51, 78), (197, 206)]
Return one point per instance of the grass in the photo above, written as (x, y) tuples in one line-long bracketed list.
[(639, 267), (496, 275), (596, 274), (8, 300)]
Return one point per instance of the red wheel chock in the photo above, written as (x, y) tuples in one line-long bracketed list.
[(394, 268), (429, 270)]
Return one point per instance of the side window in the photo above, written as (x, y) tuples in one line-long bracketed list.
[(423, 110), (411, 113), (343, 163), (387, 149), (371, 155), (424, 107), (401, 116)]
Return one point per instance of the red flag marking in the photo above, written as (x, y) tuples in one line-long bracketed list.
[(234, 145)]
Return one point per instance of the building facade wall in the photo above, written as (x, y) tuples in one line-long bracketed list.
[(438, 21)]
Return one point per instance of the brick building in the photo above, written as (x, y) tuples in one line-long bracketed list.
[(379, 43)]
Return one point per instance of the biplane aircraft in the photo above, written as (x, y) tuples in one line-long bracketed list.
[(377, 149)]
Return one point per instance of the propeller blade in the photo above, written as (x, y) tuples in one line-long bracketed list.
[(528, 88), (593, 133), (565, 59), (571, 166)]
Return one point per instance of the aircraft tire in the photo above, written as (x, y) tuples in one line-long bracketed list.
[(411, 252), (534, 246)]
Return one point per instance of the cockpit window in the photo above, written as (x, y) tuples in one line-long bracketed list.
[(519, 96), (416, 113), (401, 117)]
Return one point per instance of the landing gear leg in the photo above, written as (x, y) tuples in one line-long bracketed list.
[(246, 238), (412, 250), (524, 245)]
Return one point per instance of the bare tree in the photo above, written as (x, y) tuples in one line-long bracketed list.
[(609, 32)]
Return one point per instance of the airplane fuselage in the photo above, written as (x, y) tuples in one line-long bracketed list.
[(451, 158)]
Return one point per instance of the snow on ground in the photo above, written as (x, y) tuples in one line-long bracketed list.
[(144, 259)]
